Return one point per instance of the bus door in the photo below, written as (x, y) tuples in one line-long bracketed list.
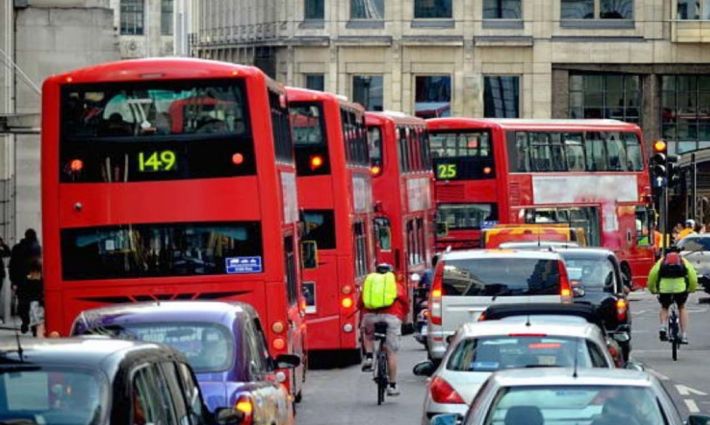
[(319, 261)]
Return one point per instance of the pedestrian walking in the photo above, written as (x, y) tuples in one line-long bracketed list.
[(30, 294), (23, 254)]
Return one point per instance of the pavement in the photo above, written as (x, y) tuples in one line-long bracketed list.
[(348, 396)]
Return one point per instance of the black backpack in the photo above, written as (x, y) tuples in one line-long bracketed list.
[(672, 266)]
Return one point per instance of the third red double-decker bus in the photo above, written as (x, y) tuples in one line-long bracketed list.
[(171, 179), (335, 195), (589, 174), (403, 190)]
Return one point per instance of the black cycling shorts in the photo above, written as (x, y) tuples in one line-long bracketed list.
[(667, 299)]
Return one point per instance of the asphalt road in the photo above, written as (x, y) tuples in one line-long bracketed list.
[(348, 396)]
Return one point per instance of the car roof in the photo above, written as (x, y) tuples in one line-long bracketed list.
[(87, 352), (566, 376), (505, 328), (500, 253), (539, 244), (583, 252), (174, 311)]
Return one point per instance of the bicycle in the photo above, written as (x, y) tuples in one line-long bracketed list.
[(380, 358), (674, 330)]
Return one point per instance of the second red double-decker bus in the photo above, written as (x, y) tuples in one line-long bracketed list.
[(589, 174), (171, 179), (402, 189), (335, 194)]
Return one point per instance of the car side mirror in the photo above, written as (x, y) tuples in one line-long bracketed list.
[(446, 419), (287, 361), (426, 368), (228, 416), (698, 420)]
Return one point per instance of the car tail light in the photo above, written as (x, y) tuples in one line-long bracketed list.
[(565, 287), (621, 309), (245, 405), (437, 291), (442, 392)]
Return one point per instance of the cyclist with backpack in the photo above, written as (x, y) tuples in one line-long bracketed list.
[(673, 278), (383, 299)]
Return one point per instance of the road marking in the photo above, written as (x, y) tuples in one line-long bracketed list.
[(697, 310), (638, 313), (691, 405), (659, 375), (685, 390)]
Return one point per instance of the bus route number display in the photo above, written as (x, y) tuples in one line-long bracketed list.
[(154, 162), (446, 171)]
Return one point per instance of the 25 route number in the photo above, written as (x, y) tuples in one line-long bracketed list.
[(446, 171)]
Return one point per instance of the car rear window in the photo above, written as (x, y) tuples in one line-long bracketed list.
[(591, 272), (501, 277), (488, 354)]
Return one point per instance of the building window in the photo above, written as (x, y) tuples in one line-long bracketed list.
[(166, 17), (607, 9), (501, 97), (367, 9), (501, 9), (367, 91), (693, 9), (315, 82), (433, 96), (685, 113), (615, 96), (315, 9), (424, 9), (132, 15)]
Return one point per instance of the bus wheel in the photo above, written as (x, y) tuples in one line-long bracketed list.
[(351, 357)]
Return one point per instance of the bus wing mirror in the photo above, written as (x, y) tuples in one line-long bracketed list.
[(309, 254)]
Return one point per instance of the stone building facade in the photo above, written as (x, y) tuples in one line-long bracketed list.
[(145, 27), (645, 61)]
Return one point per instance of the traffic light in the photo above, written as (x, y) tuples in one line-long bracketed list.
[(673, 170), (659, 164)]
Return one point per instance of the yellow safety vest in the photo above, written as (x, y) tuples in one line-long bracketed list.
[(379, 290)]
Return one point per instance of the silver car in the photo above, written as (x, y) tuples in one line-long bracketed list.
[(571, 396), (479, 349), (466, 282), (696, 249)]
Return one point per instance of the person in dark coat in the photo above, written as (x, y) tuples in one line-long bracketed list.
[(30, 296), (23, 254)]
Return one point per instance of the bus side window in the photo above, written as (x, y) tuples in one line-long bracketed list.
[(309, 254)]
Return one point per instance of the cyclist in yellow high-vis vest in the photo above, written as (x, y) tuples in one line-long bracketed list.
[(383, 299)]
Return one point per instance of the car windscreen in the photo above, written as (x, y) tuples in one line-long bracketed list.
[(46, 395), (578, 404), (208, 347), (694, 244), (501, 277), (591, 272), (491, 353)]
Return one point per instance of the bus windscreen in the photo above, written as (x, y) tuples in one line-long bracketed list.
[(121, 132), (161, 250)]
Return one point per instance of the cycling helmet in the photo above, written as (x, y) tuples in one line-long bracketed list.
[(690, 223), (384, 268)]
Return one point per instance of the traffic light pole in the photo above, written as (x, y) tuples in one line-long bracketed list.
[(665, 220)]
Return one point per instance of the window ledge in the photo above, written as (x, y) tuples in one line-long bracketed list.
[(433, 23), (365, 24), (312, 24), (598, 23), (503, 24)]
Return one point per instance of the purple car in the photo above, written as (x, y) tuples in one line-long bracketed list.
[(223, 342)]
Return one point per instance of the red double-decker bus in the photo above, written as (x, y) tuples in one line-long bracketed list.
[(403, 191), (154, 187), (589, 174), (335, 197)]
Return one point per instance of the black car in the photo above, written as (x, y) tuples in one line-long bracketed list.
[(596, 279), (96, 381)]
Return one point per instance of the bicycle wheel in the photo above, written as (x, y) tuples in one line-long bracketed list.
[(381, 377)]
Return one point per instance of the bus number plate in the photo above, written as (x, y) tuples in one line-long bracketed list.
[(154, 162), (446, 171)]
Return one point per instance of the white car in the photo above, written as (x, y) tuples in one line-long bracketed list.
[(466, 282), (479, 349)]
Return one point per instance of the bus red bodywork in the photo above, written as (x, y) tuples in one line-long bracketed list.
[(403, 191), (131, 214), (335, 194), (585, 173)]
